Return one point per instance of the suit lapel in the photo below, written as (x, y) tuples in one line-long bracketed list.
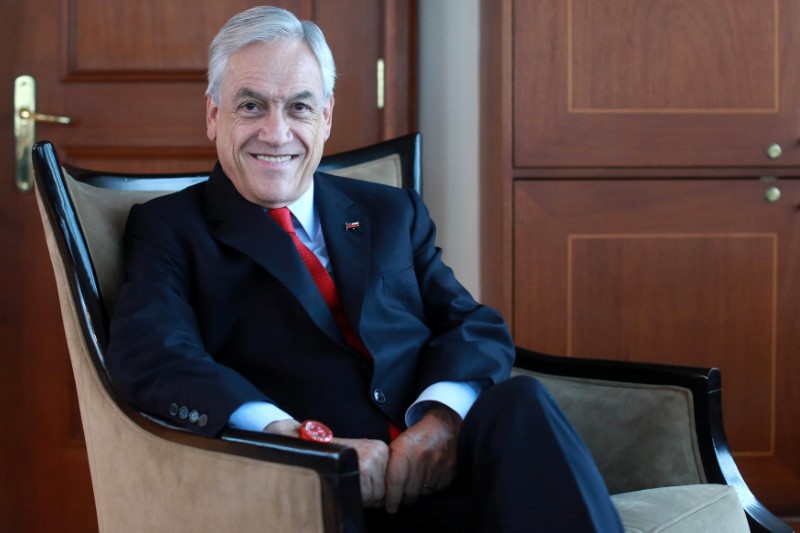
[(348, 249), (247, 228)]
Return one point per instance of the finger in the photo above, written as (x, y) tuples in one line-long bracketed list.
[(414, 448), (397, 474), (372, 492), (286, 427), (374, 474), (414, 484), (378, 484), (366, 490)]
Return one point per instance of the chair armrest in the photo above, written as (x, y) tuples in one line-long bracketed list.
[(241, 481), (706, 454), (335, 465)]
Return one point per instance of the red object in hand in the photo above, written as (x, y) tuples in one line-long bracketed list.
[(316, 431)]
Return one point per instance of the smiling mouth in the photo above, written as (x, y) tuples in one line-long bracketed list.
[(274, 158)]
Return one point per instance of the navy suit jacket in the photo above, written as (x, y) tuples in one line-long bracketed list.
[(218, 309)]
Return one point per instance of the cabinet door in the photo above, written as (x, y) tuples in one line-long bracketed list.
[(676, 83), (694, 272)]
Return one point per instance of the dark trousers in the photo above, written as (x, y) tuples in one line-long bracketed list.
[(522, 468)]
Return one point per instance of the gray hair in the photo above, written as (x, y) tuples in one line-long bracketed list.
[(266, 24)]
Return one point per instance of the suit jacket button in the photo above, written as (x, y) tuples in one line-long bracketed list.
[(183, 412), (202, 421), (194, 415), (173, 409), (378, 395)]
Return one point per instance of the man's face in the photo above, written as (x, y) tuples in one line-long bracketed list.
[(271, 123)]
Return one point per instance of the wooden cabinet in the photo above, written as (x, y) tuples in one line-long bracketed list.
[(626, 168)]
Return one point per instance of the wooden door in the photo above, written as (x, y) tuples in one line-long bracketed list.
[(131, 75)]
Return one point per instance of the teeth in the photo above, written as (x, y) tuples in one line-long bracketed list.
[(274, 159)]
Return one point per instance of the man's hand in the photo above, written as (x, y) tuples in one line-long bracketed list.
[(422, 460), (373, 455), (286, 427)]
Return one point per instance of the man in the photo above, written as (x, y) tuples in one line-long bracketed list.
[(229, 316)]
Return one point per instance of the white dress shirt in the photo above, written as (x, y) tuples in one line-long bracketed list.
[(255, 416)]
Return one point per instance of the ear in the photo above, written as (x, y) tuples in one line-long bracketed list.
[(327, 116), (212, 110)]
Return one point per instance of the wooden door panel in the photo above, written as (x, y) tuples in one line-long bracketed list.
[(676, 83), (133, 115), (696, 272), (149, 38)]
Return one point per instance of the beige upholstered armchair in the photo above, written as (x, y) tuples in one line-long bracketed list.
[(655, 431)]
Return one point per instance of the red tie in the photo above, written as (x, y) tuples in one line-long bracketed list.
[(323, 280), (325, 284)]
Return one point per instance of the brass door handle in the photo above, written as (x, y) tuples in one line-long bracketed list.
[(25, 118), (41, 117)]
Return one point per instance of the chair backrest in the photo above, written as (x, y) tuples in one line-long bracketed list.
[(92, 207)]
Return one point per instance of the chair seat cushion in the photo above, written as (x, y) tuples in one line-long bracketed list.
[(685, 508)]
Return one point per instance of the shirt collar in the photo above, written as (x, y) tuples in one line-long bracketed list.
[(303, 210)]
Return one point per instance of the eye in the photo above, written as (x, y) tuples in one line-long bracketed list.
[(301, 107), (249, 108)]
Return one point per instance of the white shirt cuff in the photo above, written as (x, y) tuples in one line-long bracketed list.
[(255, 416), (457, 395)]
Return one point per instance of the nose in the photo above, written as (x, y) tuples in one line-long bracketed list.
[(275, 129)]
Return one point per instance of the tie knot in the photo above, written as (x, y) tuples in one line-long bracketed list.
[(283, 217)]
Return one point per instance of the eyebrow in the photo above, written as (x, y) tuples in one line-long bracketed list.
[(304, 95), (245, 93)]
